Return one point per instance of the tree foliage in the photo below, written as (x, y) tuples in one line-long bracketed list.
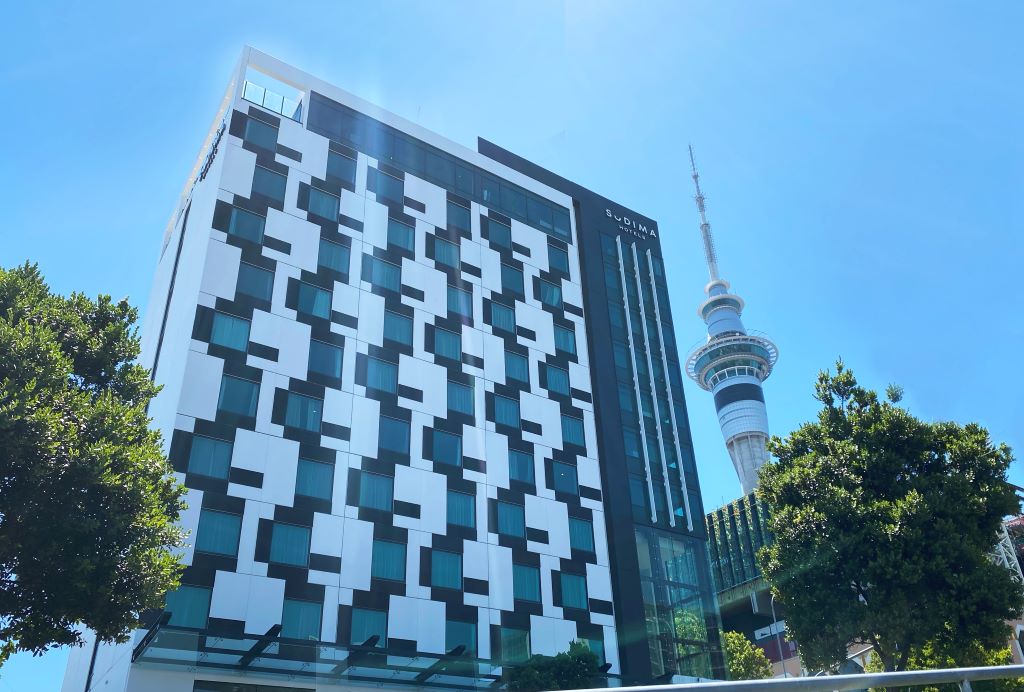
[(570, 670), (883, 526), (936, 654), (744, 660), (87, 501)]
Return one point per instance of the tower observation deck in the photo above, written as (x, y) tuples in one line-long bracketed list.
[(732, 364)]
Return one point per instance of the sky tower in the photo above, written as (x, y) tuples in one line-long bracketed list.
[(732, 364)]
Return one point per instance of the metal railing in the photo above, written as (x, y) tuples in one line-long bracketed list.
[(828, 683)]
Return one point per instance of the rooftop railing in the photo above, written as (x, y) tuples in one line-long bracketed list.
[(261, 96)]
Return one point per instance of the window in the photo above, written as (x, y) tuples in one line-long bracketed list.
[(376, 491), (238, 396), (268, 183), (520, 466), (572, 431), (314, 479), (323, 204), (382, 274), (341, 168), (325, 359), (517, 367), (300, 620), (458, 216), (503, 318), (381, 375), (313, 300), (565, 339), (448, 344), (447, 448), (369, 623), (333, 256), (446, 253), (445, 570), (596, 647), (289, 545), (245, 224), (558, 380), (397, 328), (461, 509), (581, 534), (499, 234), (255, 282), (260, 134), (558, 259), (511, 520), (550, 294), (526, 583), (218, 533), (460, 397), (393, 435), (209, 457), (388, 561), (506, 411), (458, 633), (574, 591), (390, 187), (189, 606), (512, 280), (303, 412), (515, 645), (565, 478), (401, 235), (460, 301)]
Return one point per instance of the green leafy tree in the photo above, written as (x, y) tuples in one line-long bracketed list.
[(883, 524), (744, 660), (938, 654), (87, 501), (570, 670)]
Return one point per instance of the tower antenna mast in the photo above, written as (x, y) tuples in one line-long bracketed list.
[(705, 228)]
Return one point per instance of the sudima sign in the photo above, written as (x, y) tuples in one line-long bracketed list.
[(632, 226)]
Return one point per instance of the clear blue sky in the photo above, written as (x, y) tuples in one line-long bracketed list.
[(863, 162)]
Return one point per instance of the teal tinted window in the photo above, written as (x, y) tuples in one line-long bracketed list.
[(381, 375), (447, 448), (596, 647), (398, 328), (446, 253), (218, 533), (460, 398), (511, 520), (325, 358), (341, 168), (401, 235), (303, 412), (512, 279), (445, 570), (581, 534), (245, 224), (499, 234), (323, 204), (189, 606), (572, 431), (260, 134), (558, 380), (550, 294), (314, 479), (313, 300), (289, 545), (448, 344), (460, 301), (565, 478), (520, 466), (209, 457), (506, 411), (558, 259), (565, 339), (300, 620), (238, 396), (382, 274), (574, 591), (230, 331), (268, 183), (333, 256), (393, 435), (376, 491), (369, 623), (458, 216), (458, 633), (389, 187), (539, 214), (517, 367), (255, 282), (461, 509), (526, 583), (515, 645), (388, 561), (503, 318)]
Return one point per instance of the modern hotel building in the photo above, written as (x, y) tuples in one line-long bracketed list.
[(428, 405)]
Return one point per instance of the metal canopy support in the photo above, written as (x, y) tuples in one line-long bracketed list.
[(146, 640), (440, 664), (355, 651), (260, 646)]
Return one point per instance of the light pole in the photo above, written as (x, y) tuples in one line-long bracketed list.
[(778, 639)]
